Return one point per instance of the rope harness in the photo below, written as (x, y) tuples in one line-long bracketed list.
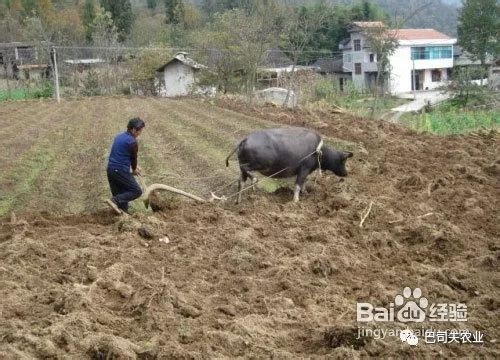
[(213, 195), (320, 153)]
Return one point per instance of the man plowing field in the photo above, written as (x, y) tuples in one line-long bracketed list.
[(122, 166)]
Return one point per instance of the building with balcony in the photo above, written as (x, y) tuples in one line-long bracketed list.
[(420, 61)]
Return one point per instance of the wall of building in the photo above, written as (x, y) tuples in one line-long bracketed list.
[(400, 80), (358, 57), (179, 79), (402, 67), (428, 84)]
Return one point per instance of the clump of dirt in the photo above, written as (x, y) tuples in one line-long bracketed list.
[(267, 278)]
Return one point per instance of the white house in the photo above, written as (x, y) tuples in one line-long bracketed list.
[(421, 60), (178, 76)]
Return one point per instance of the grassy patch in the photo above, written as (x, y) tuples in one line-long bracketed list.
[(25, 177), (369, 106), (453, 117), (271, 185), (45, 91), (16, 94), (448, 121), (359, 103)]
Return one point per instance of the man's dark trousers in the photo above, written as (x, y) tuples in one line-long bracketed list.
[(123, 187)]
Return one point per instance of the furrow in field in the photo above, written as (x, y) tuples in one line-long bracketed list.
[(229, 117), (201, 129), (21, 174), (194, 157), (159, 152), (65, 187), (17, 119), (10, 108), (208, 117), (202, 134), (23, 132), (13, 116)]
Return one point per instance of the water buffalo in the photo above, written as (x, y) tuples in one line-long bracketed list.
[(286, 152)]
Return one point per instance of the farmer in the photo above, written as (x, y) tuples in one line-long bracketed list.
[(123, 159)]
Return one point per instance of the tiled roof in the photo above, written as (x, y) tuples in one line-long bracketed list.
[(368, 24), (419, 34), (329, 65), (181, 56), (276, 58)]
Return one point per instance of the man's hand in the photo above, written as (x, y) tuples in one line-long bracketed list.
[(137, 171)]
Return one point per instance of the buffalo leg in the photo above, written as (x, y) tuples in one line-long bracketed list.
[(299, 184), (245, 174), (303, 189), (254, 181)]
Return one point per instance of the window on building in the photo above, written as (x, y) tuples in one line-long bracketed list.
[(436, 75), (26, 53), (357, 68), (431, 52), (372, 57), (348, 58), (357, 45)]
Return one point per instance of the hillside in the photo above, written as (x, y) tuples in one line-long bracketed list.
[(264, 279), (437, 15)]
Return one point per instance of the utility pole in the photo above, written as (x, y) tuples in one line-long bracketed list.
[(56, 73), (414, 81)]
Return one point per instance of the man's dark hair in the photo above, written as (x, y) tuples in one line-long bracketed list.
[(135, 123)]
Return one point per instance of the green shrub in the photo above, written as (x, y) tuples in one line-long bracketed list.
[(143, 69), (91, 85), (46, 91), (324, 89), (456, 122)]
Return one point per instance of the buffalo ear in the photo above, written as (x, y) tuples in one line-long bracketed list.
[(348, 154)]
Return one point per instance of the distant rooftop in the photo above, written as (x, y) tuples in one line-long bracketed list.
[(182, 57), (84, 61), (401, 34), (419, 34), (368, 24)]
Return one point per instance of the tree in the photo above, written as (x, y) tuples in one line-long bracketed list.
[(152, 4), (301, 26), (235, 43), (104, 32), (368, 11), (88, 16), (479, 29), (462, 88), (29, 7), (383, 42), (174, 11), (121, 13), (11, 8), (148, 30), (46, 10), (192, 17), (143, 69)]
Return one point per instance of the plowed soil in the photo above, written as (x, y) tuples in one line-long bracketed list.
[(264, 279)]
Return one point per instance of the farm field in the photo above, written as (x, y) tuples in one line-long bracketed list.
[(263, 279), (56, 161)]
